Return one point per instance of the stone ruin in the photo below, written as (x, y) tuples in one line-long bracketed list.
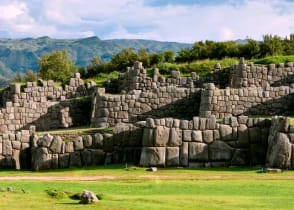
[(155, 121)]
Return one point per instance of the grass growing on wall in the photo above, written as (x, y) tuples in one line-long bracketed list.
[(274, 60)]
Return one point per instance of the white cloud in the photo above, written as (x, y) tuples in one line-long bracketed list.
[(134, 19)]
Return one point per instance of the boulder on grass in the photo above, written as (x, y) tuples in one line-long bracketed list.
[(88, 197)]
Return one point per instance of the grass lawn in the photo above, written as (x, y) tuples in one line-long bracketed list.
[(236, 188)]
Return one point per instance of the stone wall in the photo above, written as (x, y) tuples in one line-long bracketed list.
[(138, 105), (135, 78), (280, 153), (202, 142), (46, 105), (247, 101), (250, 75), (15, 149)]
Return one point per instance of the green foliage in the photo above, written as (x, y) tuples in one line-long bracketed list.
[(124, 59), (56, 66), (202, 68), (274, 60), (29, 76)]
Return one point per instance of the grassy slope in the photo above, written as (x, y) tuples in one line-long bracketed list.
[(166, 189)]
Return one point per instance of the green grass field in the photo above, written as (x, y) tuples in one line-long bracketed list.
[(136, 188)]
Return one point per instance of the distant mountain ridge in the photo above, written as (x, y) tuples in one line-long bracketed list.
[(18, 55)]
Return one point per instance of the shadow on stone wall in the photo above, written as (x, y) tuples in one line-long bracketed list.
[(64, 114)]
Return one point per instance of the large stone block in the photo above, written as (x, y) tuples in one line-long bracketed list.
[(187, 135), (184, 154), (279, 151), (41, 159), (78, 143), (75, 160), (98, 156), (7, 147), (207, 136), (56, 144), (148, 137), (175, 137), (153, 156), (172, 156), (240, 157), (63, 160), (196, 136), (87, 141), (86, 157), (226, 132), (98, 141), (255, 135), (198, 151), (220, 151), (161, 136), (45, 141), (243, 136), (69, 147), (16, 159)]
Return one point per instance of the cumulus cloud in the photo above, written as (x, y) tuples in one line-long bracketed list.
[(174, 20)]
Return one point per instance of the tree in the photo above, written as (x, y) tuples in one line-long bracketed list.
[(30, 76), (271, 45), (168, 56), (56, 66), (124, 59), (143, 57)]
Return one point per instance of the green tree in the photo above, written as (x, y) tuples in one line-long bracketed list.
[(249, 50), (155, 58), (30, 76), (56, 66), (144, 57), (124, 59), (168, 56), (271, 45)]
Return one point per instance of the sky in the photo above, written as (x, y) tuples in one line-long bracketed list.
[(185, 21)]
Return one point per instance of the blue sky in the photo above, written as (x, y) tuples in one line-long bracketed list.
[(165, 20)]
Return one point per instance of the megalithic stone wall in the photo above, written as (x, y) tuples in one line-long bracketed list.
[(202, 142), (250, 75), (138, 105), (46, 105), (280, 153), (246, 101)]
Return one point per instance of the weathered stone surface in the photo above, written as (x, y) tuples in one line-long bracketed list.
[(196, 136), (69, 147), (63, 160), (184, 154), (243, 136), (86, 157), (279, 151), (220, 151), (56, 144), (187, 135), (78, 143), (226, 132), (75, 160), (7, 147), (16, 145), (98, 156), (16, 159), (87, 141), (148, 137), (41, 159), (108, 142), (207, 136), (175, 137), (88, 197), (153, 156), (45, 141), (255, 134), (172, 156), (198, 151), (240, 157), (98, 141), (161, 136)]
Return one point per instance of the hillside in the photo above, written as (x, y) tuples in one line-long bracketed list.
[(18, 55)]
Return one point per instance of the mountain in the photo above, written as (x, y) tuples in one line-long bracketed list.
[(18, 55)]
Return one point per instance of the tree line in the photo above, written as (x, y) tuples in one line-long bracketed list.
[(59, 67)]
